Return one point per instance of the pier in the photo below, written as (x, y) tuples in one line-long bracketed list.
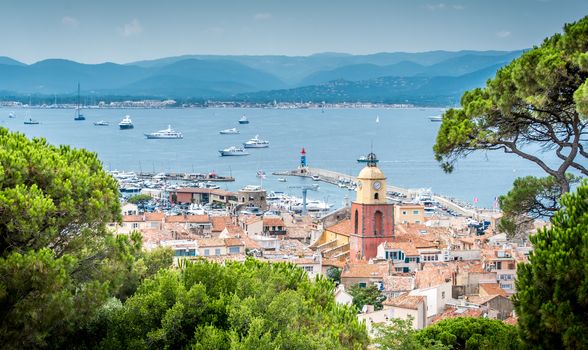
[(333, 177)]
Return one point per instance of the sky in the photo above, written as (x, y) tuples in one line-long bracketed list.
[(121, 31)]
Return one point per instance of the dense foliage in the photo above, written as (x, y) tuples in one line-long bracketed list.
[(471, 333), (537, 104), (251, 305), (58, 261), (369, 295), (399, 335), (552, 290)]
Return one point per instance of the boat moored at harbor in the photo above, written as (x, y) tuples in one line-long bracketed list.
[(126, 123), (101, 123), (233, 151), (31, 122), (166, 134), (243, 120), (231, 131), (11, 115), (436, 118), (256, 142)]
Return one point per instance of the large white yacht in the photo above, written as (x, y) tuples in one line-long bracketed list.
[(243, 120), (168, 133), (126, 123), (256, 142), (233, 151)]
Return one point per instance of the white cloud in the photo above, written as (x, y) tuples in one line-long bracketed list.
[(435, 7), (263, 16), (503, 34), (131, 29), (70, 22)]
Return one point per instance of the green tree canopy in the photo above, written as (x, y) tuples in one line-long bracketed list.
[(58, 261), (471, 333), (140, 199), (250, 305), (552, 289), (539, 99), (369, 295), (399, 335)]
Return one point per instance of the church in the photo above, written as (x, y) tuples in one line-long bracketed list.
[(371, 221)]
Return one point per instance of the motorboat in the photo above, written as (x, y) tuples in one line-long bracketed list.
[(11, 115), (101, 123), (126, 123), (281, 179), (362, 159), (256, 142), (243, 120), (316, 177), (233, 151), (31, 121), (436, 118), (167, 134), (230, 131)]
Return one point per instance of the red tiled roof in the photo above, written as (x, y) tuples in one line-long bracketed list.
[(273, 222), (342, 228), (234, 242), (492, 289), (363, 270), (406, 301), (188, 218), (132, 218), (219, 222), (211, 242), (155, 216)]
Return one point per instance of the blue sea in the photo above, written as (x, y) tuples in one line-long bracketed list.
[(333, 138)]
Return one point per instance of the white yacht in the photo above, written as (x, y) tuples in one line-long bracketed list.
[(243, 120), (256, 142), (126, 123), (101, 123), (436, 118), (168, 133), (229, 131), (11, 115), (233, 151)]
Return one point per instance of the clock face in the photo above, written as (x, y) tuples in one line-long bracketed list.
[(377, 185)]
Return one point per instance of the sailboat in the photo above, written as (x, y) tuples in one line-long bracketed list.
[(78, 115), (377, 118)]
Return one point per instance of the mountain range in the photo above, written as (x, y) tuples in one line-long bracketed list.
[(435, 77)]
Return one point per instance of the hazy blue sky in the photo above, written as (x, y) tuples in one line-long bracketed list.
[(128, 30)]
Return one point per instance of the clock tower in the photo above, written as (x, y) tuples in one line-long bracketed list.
[(372, 220)]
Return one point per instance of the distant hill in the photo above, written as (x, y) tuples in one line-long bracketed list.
[(426, 77), (418, 90)]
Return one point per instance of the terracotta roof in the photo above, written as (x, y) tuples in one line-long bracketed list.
[(249, 243), (250, 219), (342, 228), (407, 247), (333, 262), (492, 289), (132, 218), (219, 222), (452, 312), (211, 242), (188, 218), (234, 230), (399, 283), (233, 242), (364, 270), (406, 301), (511, 320), (273, 222), (155, 216)]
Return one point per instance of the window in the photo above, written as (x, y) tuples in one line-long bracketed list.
[(234, 250), (135, 225), (415, 212), (511, 266), (376, 195), (217, 251), (498, 265), (399, 269), (308, 268), (356, 220), (442, 295), (206, 252), (404, 212), (362, 285), (378, 223)]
